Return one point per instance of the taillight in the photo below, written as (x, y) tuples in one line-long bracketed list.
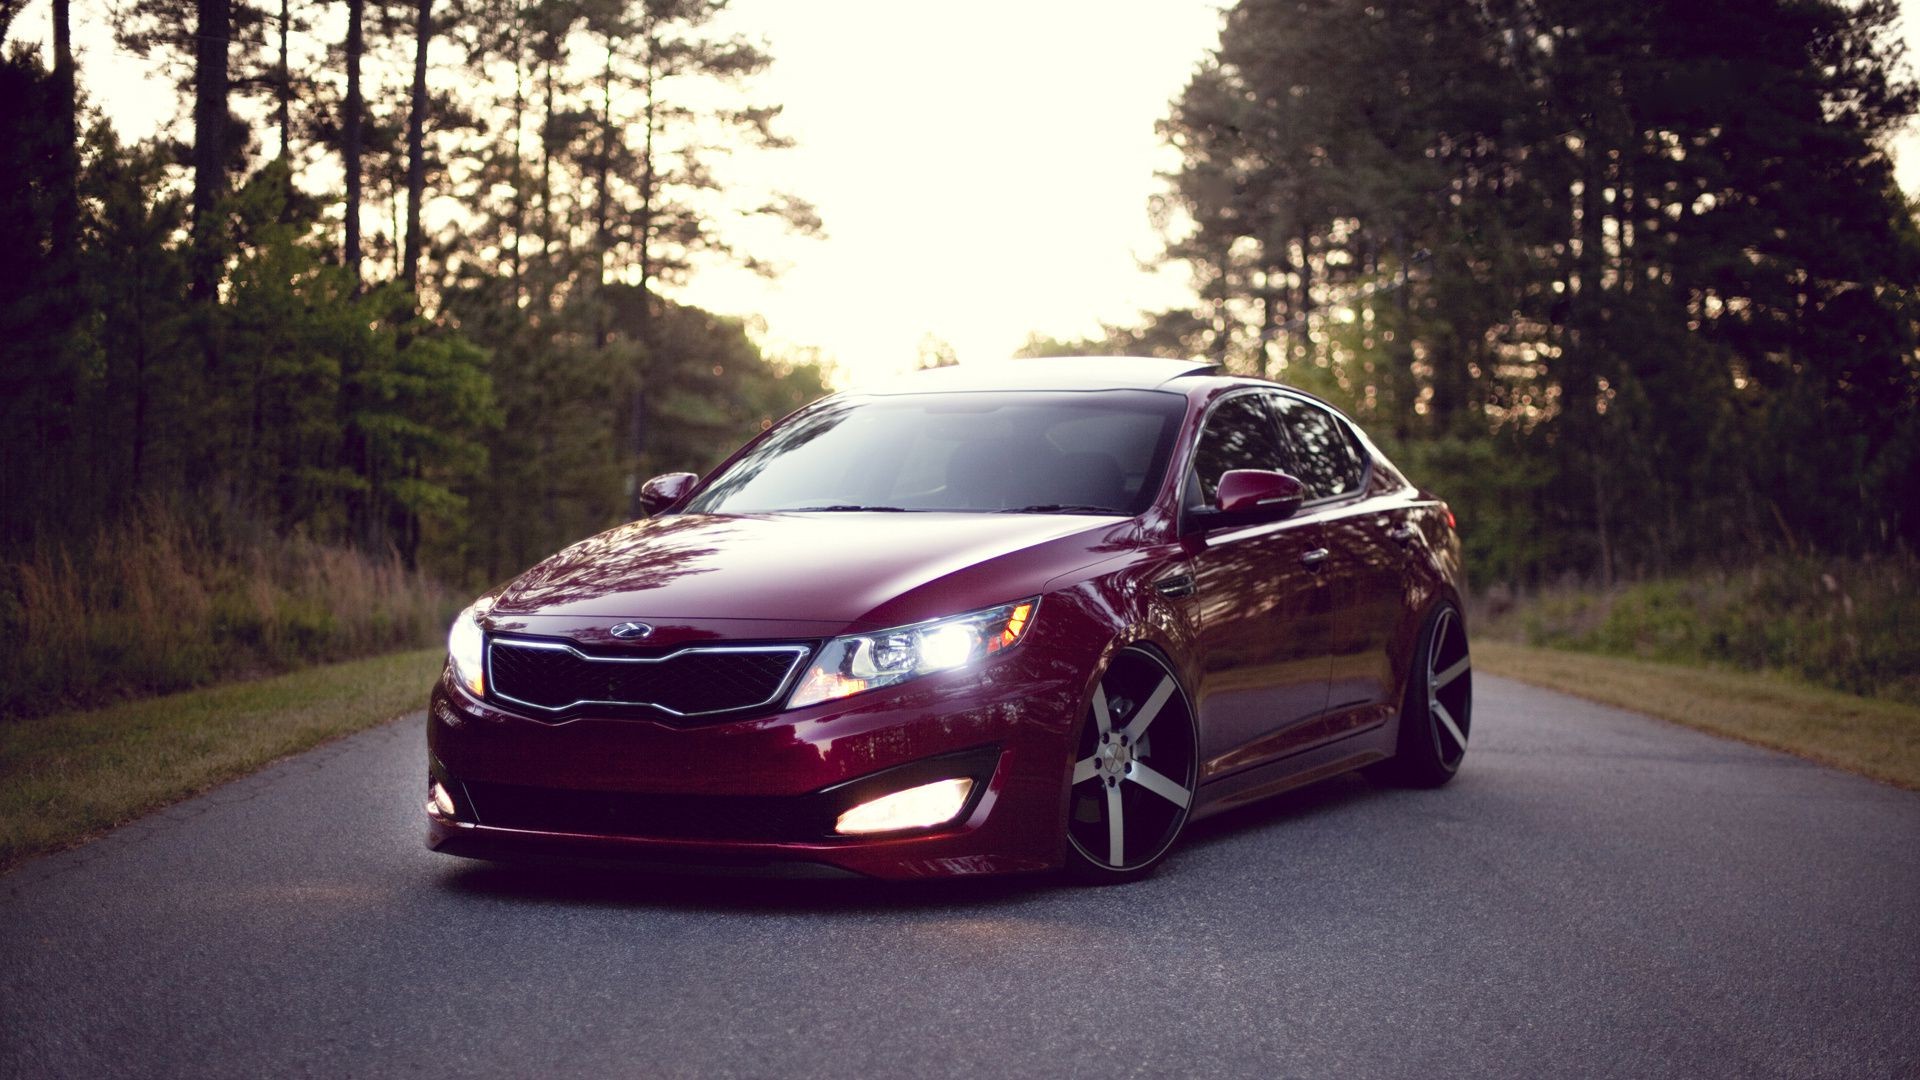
[(1448, 510)]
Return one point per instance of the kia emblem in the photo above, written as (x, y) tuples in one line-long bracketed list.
[(629, 630)]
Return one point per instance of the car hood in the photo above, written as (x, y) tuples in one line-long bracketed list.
[(850, 569)]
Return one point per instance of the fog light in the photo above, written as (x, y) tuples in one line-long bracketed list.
[(915, 808), (438, 800)]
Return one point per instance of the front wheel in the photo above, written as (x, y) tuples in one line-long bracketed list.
[(1134, 772), (1437, 714)]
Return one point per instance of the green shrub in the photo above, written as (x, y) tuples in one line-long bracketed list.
[(1849, 624)]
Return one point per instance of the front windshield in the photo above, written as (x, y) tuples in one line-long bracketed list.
[(1100, 452)]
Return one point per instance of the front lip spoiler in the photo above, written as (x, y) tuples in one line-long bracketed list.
[(520, 848)]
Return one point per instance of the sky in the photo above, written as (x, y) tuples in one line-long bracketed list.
[(983, 170)]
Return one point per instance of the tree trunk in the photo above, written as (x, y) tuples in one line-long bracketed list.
[(648, 183), (1579, 383), (1223, 326), (1406, 388), (209, 144), (66, 203), (356, 449), (602, 204), (518, 224), (416, 142), (350, 129), (1305, 315), (283, 116), (546, 190), (284, 91), (1269, 324), (643, 239), (137, 438)]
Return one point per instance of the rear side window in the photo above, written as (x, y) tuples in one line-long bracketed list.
[(1239, 435), (1323, 454)]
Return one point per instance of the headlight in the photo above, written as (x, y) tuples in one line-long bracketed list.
[(466, 645), (849, 665)]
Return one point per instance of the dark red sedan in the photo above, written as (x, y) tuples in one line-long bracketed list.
[(979, 620)]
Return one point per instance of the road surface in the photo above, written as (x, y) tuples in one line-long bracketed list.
[(1597, 894)]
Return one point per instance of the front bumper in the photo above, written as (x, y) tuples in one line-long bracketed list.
[(760, 795)]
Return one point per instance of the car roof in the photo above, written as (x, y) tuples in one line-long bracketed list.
[(1042, 373)]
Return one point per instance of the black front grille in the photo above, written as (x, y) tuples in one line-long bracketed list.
[(671, 817), (689, 682)]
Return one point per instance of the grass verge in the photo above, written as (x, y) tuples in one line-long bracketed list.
[(1870, 736), (1849, 624), (165, 599), (70, 775)]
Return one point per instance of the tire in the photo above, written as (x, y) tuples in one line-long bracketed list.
[(1135, 764), (1436, 716)]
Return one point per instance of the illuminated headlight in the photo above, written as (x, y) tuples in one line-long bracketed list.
[(858, 662), (439, 801), (466, 646), (915, 808)]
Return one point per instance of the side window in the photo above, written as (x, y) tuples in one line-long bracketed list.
[(1323, 454), (1239, 435)]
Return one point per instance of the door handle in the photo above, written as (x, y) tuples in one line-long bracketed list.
[(1404, 534), (1312, 559), (1175, 585)]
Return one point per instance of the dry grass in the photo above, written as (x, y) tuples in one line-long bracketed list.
[(161, 602), (1870, 736), (68, 776)]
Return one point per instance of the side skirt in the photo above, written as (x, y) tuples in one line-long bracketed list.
[(1297, 770)]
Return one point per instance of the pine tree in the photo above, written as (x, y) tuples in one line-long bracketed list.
[(1632, 249)]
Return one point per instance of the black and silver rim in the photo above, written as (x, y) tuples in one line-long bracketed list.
[(1449, 688), (1134, 770)]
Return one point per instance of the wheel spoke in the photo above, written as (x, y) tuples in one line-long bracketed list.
[(1440, 628), (1101, 720), (1160, 784), (1085, 770), (1116, 828), (1441, 714), (1442, 680), (1138, 725)]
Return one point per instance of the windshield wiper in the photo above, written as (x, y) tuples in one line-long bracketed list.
[(841, 508), (1060, 508)]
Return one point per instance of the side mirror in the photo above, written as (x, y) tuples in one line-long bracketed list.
[(663, 491), (1252, 497)]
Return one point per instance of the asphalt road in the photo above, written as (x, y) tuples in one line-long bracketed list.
[(1597, 894)]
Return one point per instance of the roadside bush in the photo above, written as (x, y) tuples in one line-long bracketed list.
[(162, 601), (1852, 625)]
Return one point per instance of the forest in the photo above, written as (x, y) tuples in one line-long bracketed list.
[(1633, 285), (269, 316), (260, 400)]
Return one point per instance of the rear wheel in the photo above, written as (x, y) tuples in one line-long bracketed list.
[(1436, 717), (1134, 771)]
